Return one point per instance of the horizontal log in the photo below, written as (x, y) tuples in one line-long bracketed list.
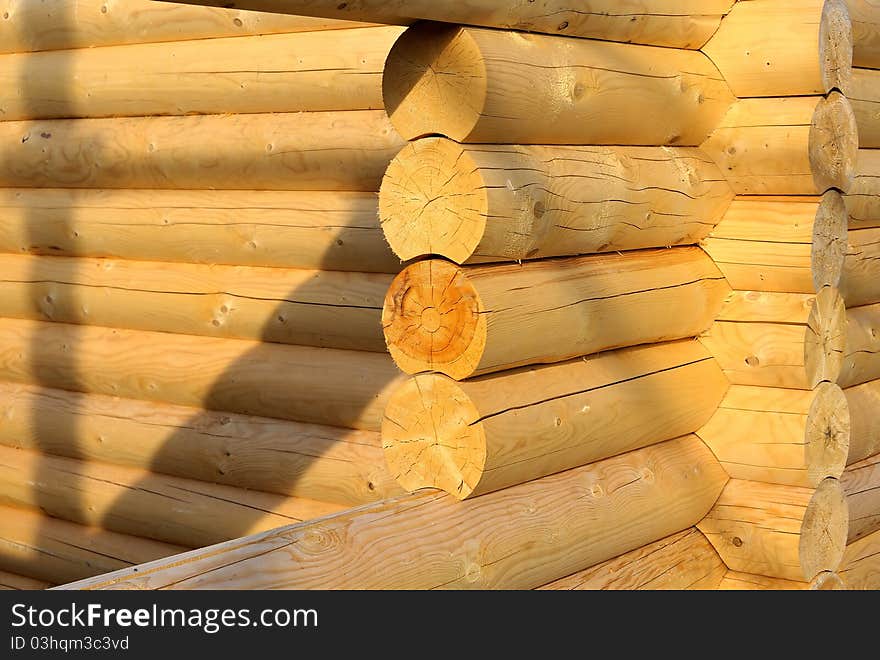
[(798, 353), (509, 203), (322, 463), (860, 568), (861, 358), (45, 548), (787, 146), (307, 71), (553, 527), (286, 229), (500, 430), (863, 199), (480, 319), (786, 532), (767, 307), (682, 561), (864, 95), (735, 581), (301, 383), (861, 484), (860, 284), (129, 501), (492, 86), (864, 402), (59, 24), (286, 151), (678, 23), (15, 582), (865, 18), (784, 244), (810, 52), (307, 307), (779, 436)]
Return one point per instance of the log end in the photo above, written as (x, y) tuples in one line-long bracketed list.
[(836, 46), (434, 82), (834, 144), (827, 434), (431, 436), (827, 581), (825, 340), (829, 241), (433, 201), (824, 530), (433, 320)]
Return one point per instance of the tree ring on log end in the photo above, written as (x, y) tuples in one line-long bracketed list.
[(829, 240), (825, 339), (433, 200), (433, 320), (836, 46), (432, 437), (434, 82), (824, 530), (827, 581), (834, 143), (827, 433)]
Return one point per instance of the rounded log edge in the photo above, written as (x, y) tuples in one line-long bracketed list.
[(834, 143), (836, 46), (825, 340), (829, 240), (824, 530), (827, 434)]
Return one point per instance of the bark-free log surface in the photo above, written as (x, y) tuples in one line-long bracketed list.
[(284, 151), (485, 203), (302, 383), (864, 95), (785, 244), (736, 581), (780, 436), (323, 463), (553, 527), (861, 357), (860, 283), (678, 23), (480, 319), (810, 50), (861, 483), (492, 86), (289, 229), (787, 146), (798, 353), (865, 18), (767, 307), (786, 532), (860, 568), (863, 200), (864, 404), (682, 561), (14, 582), (481, 435), (129, 501), (291, 306)]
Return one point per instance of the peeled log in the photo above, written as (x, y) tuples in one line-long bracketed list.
[(779, 436), (306, 307), (810, 52), (861, 483), (682, 561), (861, 357), (140, 503), (553, 527), (301, 383), (286, 151), (14, 582), (309, 71), (476, 320), (492, 86), (786, 532), (861, 563), (677, 23), (734, 581), (864, 403), (787, 146), (861, 273), (481, 435), (485, 203), (37, 545), (301, 460), (863, 200), (864, 95), (865, 17), (781, 244), (767, 307), (798, 353), (286, 229)]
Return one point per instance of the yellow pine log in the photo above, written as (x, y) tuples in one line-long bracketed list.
[(292, 306), (287, 229), (141, 503), (14, 582), (57, 24), (810, 52), (861, 357), (322, 463), (492, 86), (787, 146), (860, 284), (682, 561), (301, 383), (781, 244), (864, 95), (468, 321), (861, 563), (485, 203), (481, 435), (863, 200), (553, 527), (767, 307), (861, 483), (864, 403), (288, 151), (307, 71), (798, 352), (59, 551), (678, 23), (774, 435), (865, 18), (786, 532), (736, 581)]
